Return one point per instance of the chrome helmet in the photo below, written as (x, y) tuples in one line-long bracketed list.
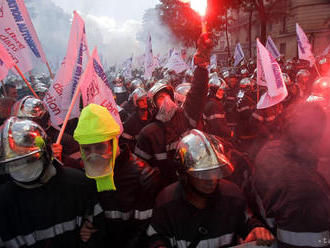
[(287, 79), (203, 156), (137, 94), (32, 109), (137, 83), (302, 74), (181, 91), (23, 144), (158, 87)]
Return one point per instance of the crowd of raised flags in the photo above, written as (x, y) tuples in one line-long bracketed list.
[(26, 53)]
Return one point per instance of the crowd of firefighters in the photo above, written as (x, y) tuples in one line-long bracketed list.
[(197, 164)]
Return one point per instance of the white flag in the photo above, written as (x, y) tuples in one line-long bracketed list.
[(326, 51), (176, 62), (6, 62), (127, 68), (95, 87), (148, 60), (270, 45), (60, 93), (170, 51), (304, 47), (163, 60), (213, 60), (239, 54), (156, 61), (270, 75), (19, 37)]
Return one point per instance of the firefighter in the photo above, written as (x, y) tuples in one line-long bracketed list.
[(294, 91), (43, 204), (35, 110), (303, 81), (138, 120), (157, 141), (293, 197), (180, 93), (203, 209), (127, 185), (232, 82), (120, 90), (246, 105), (214, 115)]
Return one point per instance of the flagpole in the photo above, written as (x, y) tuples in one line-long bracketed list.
[(258, 92), (50, 71), (204, 27), (25, 80), (65, 122), (3, 88), (317, 70)]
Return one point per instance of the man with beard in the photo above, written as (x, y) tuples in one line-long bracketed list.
[(157, 141), (203, 209)]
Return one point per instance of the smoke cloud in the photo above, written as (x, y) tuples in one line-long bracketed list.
[(115, 41)]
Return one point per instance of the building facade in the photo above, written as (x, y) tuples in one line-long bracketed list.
[(312, 15)]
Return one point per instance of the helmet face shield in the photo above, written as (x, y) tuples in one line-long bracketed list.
[(13, 165), (99, 158), (27, 169), (213, 174)]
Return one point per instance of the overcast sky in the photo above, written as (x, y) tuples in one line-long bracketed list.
[(119, 10)]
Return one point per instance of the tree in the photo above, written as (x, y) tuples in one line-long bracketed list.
[(267, 12), (181, 19)]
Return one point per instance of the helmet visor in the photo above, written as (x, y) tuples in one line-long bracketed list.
[(19, 163), (212, 174)]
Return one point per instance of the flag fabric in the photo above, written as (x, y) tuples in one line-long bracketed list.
[(270, 75), (95, 88), (157, 61), (19, 37), (326, 51), (6, 62), (163, 60), (170, 51), (59, 96), (213, 60), (239, 54), (270, 45), (148, 60), (139, 61), (304, 47), (127, 68), (176, 62)]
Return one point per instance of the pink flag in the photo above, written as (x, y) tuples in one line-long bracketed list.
[(95, 87), (19, 37), (6, 62), (270, 75), (60, 93), (304, 47)]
